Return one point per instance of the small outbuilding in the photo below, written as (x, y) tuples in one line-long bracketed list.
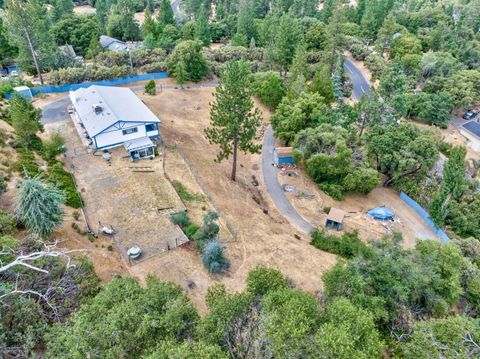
[(23, 91), (283, 156), (335, 218), (382, 213)]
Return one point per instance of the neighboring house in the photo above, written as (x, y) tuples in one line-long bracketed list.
[(114, 116), (109, 43)]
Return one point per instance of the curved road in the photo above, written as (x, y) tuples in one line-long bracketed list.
[(57, 111), (270, 172)]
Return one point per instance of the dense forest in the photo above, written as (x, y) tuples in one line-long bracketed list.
[(380, 300)]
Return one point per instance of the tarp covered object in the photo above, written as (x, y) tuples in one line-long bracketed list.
[(382, 213)]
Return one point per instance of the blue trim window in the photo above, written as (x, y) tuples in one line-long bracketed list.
[(150, 127), (129, 131)]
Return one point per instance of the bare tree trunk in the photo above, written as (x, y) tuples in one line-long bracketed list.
[(234, 165), (362, 126), (32, 50)]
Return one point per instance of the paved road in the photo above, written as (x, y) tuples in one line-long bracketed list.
[(360, 83), (273, 186), (360, 86)]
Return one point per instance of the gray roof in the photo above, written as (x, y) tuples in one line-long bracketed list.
[(105, 41), (115, 104)]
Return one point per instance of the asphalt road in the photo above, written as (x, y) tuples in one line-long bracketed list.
[(270, 173), (360, 83), (57, 111), (273, 187)]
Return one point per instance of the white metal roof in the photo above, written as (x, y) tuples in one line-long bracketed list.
[(116, 103), (138, 143)]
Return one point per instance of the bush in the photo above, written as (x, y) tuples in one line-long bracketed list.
[(209, 229), (347, 246), (180, 219), (151, 88), (333, 190), (262, 280), (64, 181), (53, 147), (184, 194), (26, 164), (376, 64), (8, 224), (268, 86), (190, 230), (213, 257)]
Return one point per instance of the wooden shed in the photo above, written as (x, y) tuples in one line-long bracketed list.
[(335, 218)]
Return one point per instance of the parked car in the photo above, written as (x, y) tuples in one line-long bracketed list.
[(470, 115)]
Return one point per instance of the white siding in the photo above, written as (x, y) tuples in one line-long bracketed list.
[(113, 137)]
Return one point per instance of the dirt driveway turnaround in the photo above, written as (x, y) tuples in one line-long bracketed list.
[(134, 198)]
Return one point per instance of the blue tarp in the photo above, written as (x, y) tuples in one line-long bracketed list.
[(425, 216), (382, 213)]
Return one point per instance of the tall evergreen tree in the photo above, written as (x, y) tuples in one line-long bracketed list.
[(454, 184), (286, 40), (165, 14), (233, 117), (148, 26), (246, 23), (202, 28), (25, 118), (28, 30), (62, 9), (38, 206)]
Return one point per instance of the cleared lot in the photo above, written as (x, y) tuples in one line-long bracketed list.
[(134, 198)]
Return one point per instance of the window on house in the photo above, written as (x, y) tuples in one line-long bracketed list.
[(150, 127), (129, 131)]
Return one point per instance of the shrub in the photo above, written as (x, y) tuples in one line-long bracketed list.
[(26, 164), (90, 237), (180, 218), (76, 215), (151, 88), (8, 224), (64, 180), (110, 248), (347, 246), (213, 257), (376, 64), (268, 86), (184, 194), (333, 190), (209, 229), (53, 147), (262, 280), (191, 229)]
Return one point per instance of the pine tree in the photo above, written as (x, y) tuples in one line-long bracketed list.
[(286, 41), (181, 73), (233, 117), (28, 30), (101, 14), (246, 23), (38, 206), (202, 28), (322, 84), (25, 118), (454, 184), (148, 26), (165, 14), (62, 9)]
